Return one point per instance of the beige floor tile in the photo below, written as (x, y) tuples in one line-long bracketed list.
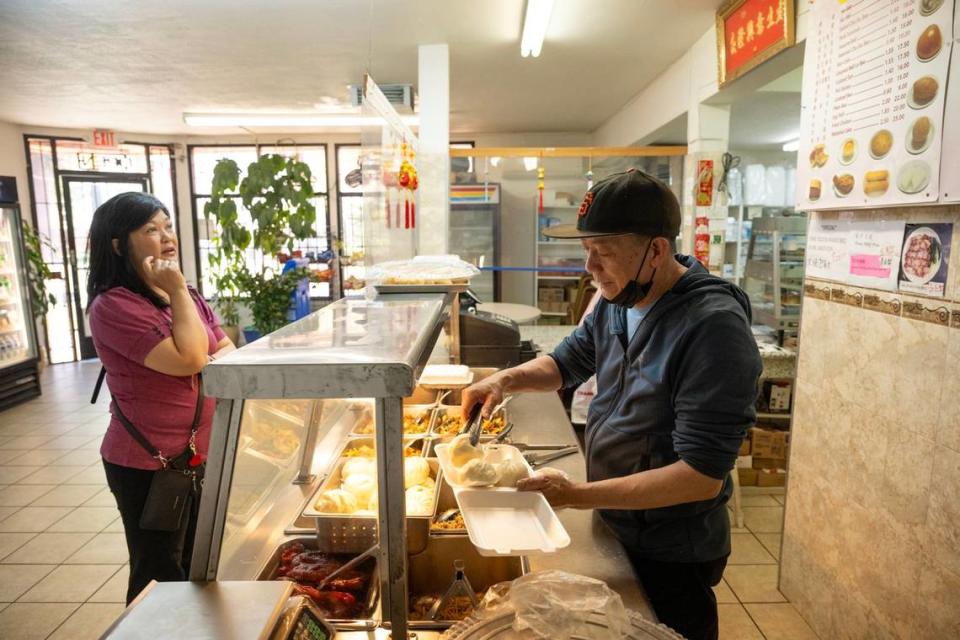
[(760, 501), (93, 444), (66, 442), (82, 457), (70, 583), (754, 583), (115, 590), (104, 548), (746, 549), (17, 579), (103, 498), (27, 442), (69, 495), (771, 541), (9, 474), (86, 519), (114, 527), (10, 542), (51, 475), (20, 495), (89, 621), (91, 475), (49, 548), (92, 429), (33, 621), (763, 519), (735, 623), (724, 594), (6, 511), (36, 458), (7, 455), (15, 430), (33, 519), (780, 622)]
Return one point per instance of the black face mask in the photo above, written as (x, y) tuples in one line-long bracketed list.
[(634, 291)]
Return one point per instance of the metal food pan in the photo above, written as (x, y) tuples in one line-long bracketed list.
[(354, 533), (366, 422), (446, 500), (371, 599), (444, 409), (421, 395), (356, 442)]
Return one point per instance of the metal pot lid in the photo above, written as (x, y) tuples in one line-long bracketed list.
[(500, 628)]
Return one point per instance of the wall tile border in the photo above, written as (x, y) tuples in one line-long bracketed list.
[(938, 311), (883, 303)]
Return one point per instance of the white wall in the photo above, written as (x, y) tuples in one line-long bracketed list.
[(13, 162)]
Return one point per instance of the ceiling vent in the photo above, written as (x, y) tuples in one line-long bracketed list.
[(399, 95)]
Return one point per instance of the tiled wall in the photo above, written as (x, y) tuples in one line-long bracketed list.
[(871, 541)]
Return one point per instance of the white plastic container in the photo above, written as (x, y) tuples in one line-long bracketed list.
[(445, 376), (497, 453), (514, 523)]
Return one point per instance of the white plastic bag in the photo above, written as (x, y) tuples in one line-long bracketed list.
[(582, 398)]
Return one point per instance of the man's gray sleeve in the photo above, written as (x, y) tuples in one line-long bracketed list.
[(576, 355)]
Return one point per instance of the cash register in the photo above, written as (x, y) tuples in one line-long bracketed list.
[(241, 610), (490, 340)]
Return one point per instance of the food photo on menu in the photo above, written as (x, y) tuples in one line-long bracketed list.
[(925, 258)]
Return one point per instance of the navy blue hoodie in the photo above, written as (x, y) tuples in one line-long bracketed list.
[(682, 388)]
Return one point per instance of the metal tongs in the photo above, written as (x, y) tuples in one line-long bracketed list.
[(349, 565), (459, 585), (473, 424), (537, 459)]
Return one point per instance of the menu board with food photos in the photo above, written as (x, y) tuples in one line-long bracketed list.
[(874, 81)]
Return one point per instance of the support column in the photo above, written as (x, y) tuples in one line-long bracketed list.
[(708, 132), (433, 166)]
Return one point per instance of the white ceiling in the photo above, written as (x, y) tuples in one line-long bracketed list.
[(138, 65)]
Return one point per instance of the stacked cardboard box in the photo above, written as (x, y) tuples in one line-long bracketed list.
[(769, 456)]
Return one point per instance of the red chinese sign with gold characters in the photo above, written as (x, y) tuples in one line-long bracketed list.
[(750, 32)]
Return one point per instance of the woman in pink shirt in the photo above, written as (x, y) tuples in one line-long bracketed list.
[(153, 334)]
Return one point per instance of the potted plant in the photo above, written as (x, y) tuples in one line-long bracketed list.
[(38, 272), (277, 191)]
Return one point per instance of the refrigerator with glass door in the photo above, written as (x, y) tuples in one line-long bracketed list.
[(19, 377)]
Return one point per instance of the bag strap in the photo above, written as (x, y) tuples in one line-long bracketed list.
[(137, 435), (96, 388)]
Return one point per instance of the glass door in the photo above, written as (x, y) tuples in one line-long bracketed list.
[(82, 196)]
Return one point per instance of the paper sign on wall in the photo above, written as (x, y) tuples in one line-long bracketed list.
[(874, 253), (827, 252), (874, 80), (925, 258)]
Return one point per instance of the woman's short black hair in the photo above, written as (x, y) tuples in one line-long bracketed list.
[(115, 219)]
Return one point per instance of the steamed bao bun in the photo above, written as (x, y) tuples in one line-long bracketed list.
[(461, 451), (415, 471), (419, 499), (337, 501), (511, 471), (478, 473), (359, 466), (361, 485)]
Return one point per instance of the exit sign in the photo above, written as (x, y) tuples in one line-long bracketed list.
[(104, 138)]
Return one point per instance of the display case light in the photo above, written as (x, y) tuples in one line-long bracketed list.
[(529, 163), (535, 24)]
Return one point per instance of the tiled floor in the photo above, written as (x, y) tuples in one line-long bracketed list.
[(63, 560)]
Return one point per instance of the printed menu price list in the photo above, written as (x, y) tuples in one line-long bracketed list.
[(873, 65), (874, 81)]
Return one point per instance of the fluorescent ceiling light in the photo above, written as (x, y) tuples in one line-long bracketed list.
[(495, 161), (529, 163), (286, 120), (792, 145), (535, 24)]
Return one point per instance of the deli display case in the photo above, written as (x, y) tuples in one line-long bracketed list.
[(323, 451)]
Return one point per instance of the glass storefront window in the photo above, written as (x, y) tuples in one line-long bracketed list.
[(76, 155)]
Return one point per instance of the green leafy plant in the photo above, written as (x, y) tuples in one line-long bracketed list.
[(276, 191), (38, 272)]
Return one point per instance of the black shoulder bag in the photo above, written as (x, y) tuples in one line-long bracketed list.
[(177, 481)]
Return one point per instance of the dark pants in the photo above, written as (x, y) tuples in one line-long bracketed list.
[(681, 594), (163, 556)]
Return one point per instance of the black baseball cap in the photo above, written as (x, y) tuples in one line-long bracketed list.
[(628, 202)]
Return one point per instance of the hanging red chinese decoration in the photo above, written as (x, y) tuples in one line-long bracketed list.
[(407, 179), (540, 185)]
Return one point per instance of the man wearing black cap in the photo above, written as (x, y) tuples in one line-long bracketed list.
[(677, 369)]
